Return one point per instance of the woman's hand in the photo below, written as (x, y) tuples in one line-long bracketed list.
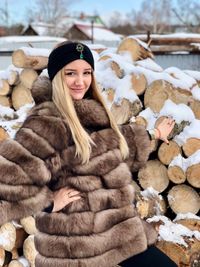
[(63, 197), (164, 129)]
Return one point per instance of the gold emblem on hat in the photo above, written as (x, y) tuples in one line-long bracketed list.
[(80, 49)]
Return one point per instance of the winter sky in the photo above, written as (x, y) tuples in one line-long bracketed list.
[(18, 9)]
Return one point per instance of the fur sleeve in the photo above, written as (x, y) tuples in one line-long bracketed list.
[(139, 145), (23, 179)]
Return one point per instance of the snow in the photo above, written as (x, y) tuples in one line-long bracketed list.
[(186, 163), (174, 232), (190, 131), (29, 51)]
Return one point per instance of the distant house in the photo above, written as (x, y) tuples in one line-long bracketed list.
[(41, 29), (2, 31), (91, 32)]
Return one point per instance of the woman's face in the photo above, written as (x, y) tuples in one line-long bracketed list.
[(78, 78)]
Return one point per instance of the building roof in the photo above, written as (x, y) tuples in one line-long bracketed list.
[(99, 32)]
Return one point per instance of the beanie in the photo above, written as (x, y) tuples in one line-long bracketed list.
[(66, 53)]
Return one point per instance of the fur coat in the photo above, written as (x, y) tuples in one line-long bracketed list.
[(102, 228)]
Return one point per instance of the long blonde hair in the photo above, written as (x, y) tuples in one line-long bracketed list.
[(63, 101)]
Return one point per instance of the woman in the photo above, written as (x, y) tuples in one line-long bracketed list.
[(71, 165)]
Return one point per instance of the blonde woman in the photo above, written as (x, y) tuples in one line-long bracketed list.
[(72, 167)]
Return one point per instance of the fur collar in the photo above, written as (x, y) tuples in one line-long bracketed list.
[(90, 112)]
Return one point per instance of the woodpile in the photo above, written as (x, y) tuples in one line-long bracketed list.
[(168, 43), (17, 247), (137, 90)]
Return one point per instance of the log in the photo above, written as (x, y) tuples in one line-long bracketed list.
[(28, 224), (117, 69), (154, 174), (192, 224), (21, 235), (167, 152), (5, 101), (178, 127), (21, 60), (139, 83), (178, 193), (176, 175), (15, 254), (29, 250), (105, 57), (7, 236), (5, 88), (182, 256), (159, 91), (125, 110), (135, 48), (2, 256), (27, 77), (191, 146), (195, 107), (192, 175), (13, 78), (172, 48), (21, 96), (3, 134), (151, 205), (15, 263), (169, 40)]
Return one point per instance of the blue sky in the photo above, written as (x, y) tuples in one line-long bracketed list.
[(18, 8)]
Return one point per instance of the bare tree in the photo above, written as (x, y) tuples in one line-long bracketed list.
[(4, 14), (154, 15), (187, 13), (51, 11)]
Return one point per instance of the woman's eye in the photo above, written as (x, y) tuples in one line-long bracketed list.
[(88, 73), (69, 73)]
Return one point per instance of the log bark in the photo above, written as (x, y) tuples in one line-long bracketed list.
[(21, 235), (21, 60), (191, 146), (167, 152), (21, 96), (192, 175), (154, 174), (183, 199), (135, 49)]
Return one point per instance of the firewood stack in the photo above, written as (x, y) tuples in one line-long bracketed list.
[(136, 89)]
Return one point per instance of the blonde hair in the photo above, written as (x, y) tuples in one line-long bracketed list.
[(63, 101)]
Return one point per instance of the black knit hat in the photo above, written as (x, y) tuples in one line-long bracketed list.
[(66, 53)]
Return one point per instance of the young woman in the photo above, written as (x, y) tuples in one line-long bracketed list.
[(72, 166)]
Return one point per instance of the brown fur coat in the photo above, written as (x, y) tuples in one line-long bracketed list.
[(102, 228)]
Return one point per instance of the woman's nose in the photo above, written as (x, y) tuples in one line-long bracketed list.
[(79, 79)]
